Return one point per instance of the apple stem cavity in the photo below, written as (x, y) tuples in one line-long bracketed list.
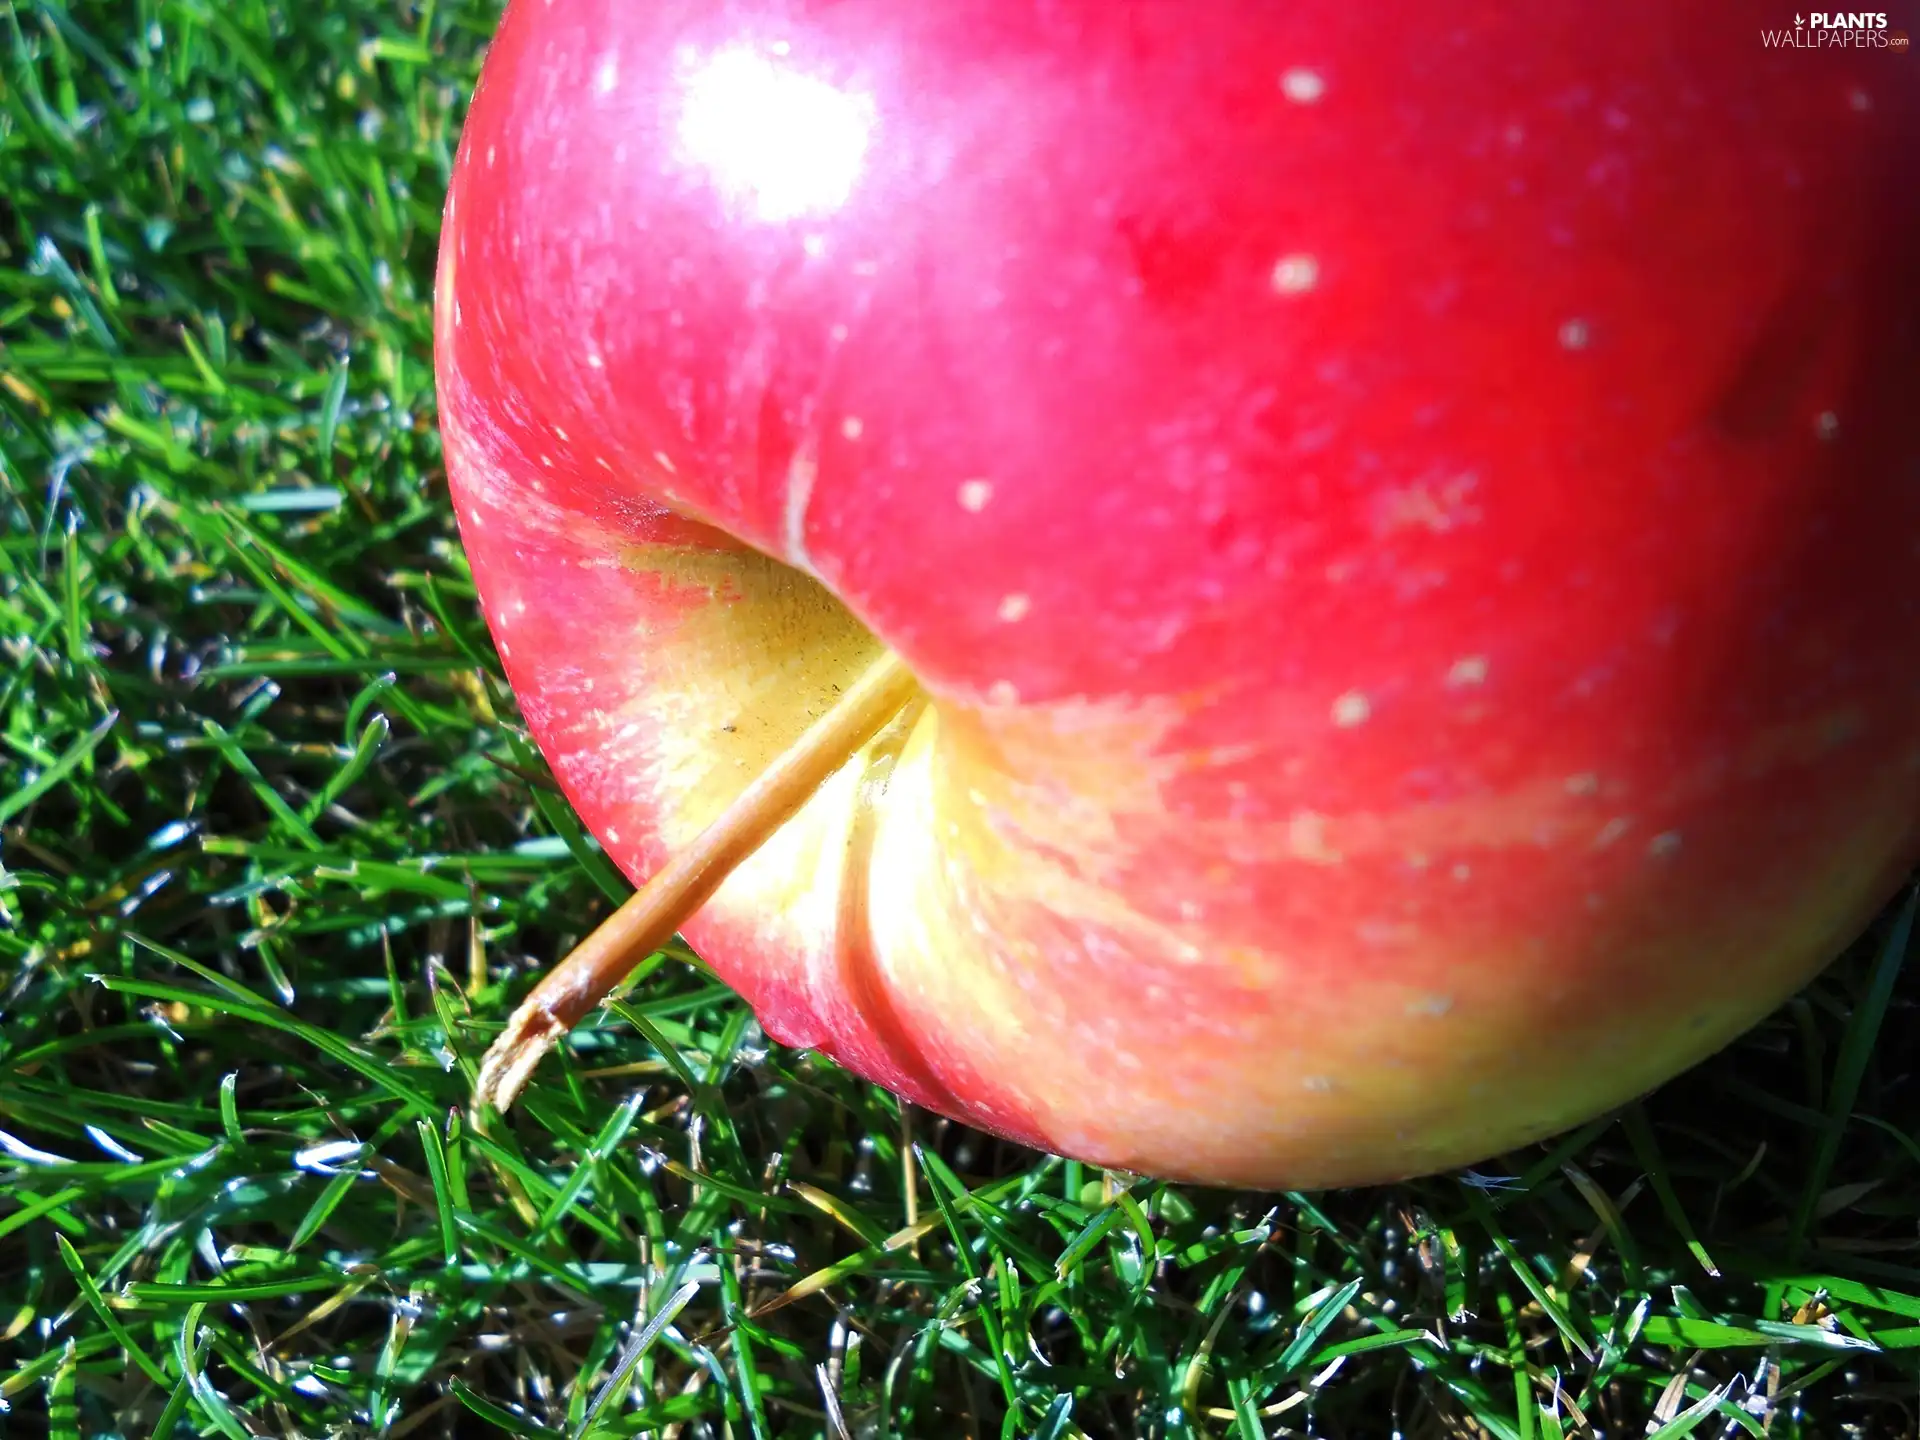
[(653, 913)]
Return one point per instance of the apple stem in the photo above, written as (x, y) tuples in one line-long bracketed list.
[(653, 913)]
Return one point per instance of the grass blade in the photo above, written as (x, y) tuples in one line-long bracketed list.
[(1850, 1067)]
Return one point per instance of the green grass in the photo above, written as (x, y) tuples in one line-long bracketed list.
[(277, 861)]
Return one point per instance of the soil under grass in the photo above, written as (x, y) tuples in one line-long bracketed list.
[(278, 862)]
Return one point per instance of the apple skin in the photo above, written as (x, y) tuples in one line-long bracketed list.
[(1409, 523)]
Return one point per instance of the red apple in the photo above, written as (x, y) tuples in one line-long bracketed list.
[(1407, 518)]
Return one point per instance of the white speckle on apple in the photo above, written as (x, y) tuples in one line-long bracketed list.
[(1380, 934), (559, 434), (458, 314), (603, 463), (519, 607), (491, 152), (607, 77), (1014, 607), (1468, 670), (1612, 831), (1351, 709), (1427, 505), (1307, 838), (1826, 425), (1002, 692), (1430, 1005), (1319, 1084), (851, 427), (1574, 334), (1667, 842), (594, 362), (974, 495), (1302, 86), (1585, 783), (613, 834), (664, 461), (505, 649), (1463, 872), (546, 460), (1295, 274), (586, 684)]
